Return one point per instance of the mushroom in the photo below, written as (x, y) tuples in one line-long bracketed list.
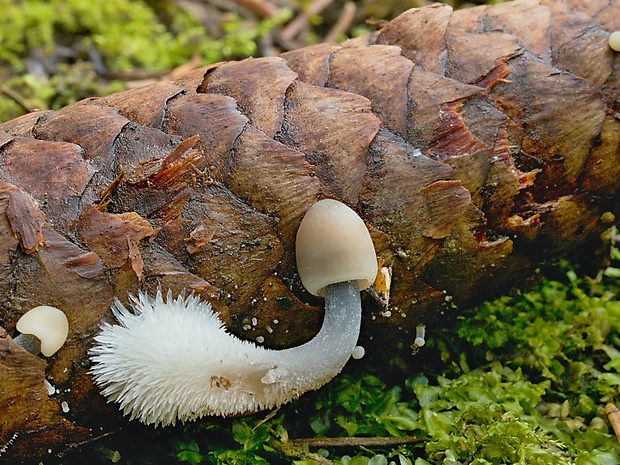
[(43, 329), (420, 334), (614, 41), (172, 359), (419, 341)]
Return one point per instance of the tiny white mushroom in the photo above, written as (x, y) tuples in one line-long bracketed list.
[(420, 333), (43, 329), (171, 359), (614, 41), (51, 390), (358, 352), (419, 341)]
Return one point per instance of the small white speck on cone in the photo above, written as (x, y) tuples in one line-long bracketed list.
[(358, 352), (614, 41)]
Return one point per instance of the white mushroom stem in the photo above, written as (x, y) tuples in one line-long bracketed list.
[(174, 360), (320, 359)]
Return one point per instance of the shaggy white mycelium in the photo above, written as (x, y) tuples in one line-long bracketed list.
[(172, 359)]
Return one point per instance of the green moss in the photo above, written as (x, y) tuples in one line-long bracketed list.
[(567, 333), (125, 34), (76, 46)]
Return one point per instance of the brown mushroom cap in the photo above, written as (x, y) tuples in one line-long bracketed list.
[(47, 323), (333, 245)]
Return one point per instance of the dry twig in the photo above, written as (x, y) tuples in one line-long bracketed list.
[(352, 442), (10, 93), (347, 15), (300, 22), (262, 8)]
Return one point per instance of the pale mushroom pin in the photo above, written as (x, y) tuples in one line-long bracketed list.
[(43, 329), (614, 41)]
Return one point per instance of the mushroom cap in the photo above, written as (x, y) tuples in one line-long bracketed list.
[(48, 324), (614, 41), (333, 245)]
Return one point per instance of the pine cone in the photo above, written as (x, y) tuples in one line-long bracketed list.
[(475, 144)]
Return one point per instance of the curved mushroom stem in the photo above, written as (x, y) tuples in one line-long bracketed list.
[(317, 361), (29, 342), (171, 359)]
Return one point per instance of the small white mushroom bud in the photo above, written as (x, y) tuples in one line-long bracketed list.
[(419, 341), (172, 359), (420, 334), (358, 352), (614, 41), (43, 329)]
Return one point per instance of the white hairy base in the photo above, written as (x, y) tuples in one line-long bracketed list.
[(173, 359)]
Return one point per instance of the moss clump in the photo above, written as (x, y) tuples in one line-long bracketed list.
[(125, 34), (54, 52)]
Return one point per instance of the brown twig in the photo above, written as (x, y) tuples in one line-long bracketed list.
[(356, 442), (10, 93), (290, 449), (347, 15), (77, 445), (185, 68), (300, 448), (376, 23), (300, 22), (261, 8), (613, 415)]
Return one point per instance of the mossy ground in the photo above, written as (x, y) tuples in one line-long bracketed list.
[(55, 52), (522, 379)]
